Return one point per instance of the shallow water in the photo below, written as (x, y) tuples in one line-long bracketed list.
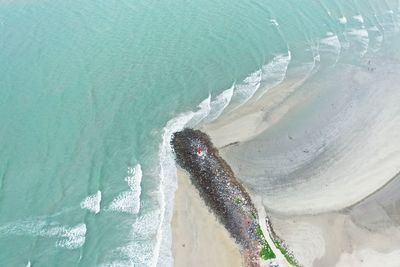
[(90, 93)]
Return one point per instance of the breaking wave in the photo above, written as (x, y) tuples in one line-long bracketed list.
[(275, 72), (92, 203), (129, 201), (343, 20), (219, 104), (68, 237), (267, 77), (331, 44), (360, 39)]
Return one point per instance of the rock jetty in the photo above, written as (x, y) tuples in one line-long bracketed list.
[(221, 192)]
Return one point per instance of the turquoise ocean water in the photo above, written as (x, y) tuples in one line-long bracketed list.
[(91, 91)]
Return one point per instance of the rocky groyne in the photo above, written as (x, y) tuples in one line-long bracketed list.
[(221, 192)]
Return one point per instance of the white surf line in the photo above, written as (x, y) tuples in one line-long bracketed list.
[(203, 111), (274, 72), (168, 179), (218, 105), (268, 76), (245, 90)]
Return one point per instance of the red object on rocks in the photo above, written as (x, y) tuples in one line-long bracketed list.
[(198, 151)]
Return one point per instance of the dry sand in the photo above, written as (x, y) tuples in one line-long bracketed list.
[(198, 239)]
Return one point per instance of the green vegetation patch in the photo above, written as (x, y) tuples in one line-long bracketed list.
[(289, 257), (281, 246), (266, 252)]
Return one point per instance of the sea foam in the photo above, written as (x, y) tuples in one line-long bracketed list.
[(343, 20), (219, 104), (274, 72), (68, 237), (137, 252), (168, 181), (72, 238), (247, 88), (204, 109), (92, 202), (129, 201), (274, 22)]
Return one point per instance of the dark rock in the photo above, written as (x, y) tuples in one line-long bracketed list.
[(220, 190)]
